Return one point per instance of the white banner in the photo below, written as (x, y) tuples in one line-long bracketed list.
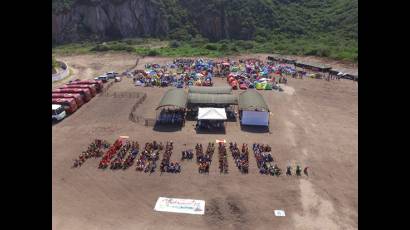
[(188, 206), (279, 213)]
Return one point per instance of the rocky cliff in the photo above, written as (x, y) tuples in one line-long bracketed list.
[(77, 20), (107, 19)]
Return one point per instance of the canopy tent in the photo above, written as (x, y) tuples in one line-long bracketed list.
[(173, 97), (215, 99), (255, 118), (210, 90), (211, 114), (252, 100)]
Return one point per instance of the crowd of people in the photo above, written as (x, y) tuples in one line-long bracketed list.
[(129, 161), (187, 154), (209, 124), (241, 158), (168, 116), (166, 164), (147, 161), (94, 150), (204, 160), (122, 154), (105, 161), (223, 158), (264, 160)]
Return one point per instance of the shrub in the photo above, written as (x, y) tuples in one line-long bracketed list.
[(198, 41), (100, 48), (260, 39), (174, 44), (54, 62), (153, 53), (181, 35), (211, 47), (244, 44), (323, 52), (234, 49), (223, 47)]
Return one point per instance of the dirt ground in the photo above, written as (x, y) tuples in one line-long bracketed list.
[(314, 123)]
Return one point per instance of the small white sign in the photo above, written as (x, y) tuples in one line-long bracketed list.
[(188, 206), (279, 213)]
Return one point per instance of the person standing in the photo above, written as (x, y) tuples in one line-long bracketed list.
[(305, 171)]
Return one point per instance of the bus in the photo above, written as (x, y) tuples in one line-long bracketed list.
[(76, 96), (68, 103), (84, 92)]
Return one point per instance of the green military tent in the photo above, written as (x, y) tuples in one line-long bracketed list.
[(212, 99), (210, 90), (174, 98), (253, 109), (252, 100)]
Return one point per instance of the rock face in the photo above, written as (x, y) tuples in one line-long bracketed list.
[(114, 19), (105, 19), (213, 19)]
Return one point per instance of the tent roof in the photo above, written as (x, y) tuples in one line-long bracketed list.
[(210, 90), (221, 99), (343, 70), (277, 57), (252, 100), (211, 114), (173, 97), (315, 65)]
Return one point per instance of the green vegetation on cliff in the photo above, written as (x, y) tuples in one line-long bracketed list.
[(218, 27)]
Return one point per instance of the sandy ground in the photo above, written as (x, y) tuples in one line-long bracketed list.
[(314, 123)]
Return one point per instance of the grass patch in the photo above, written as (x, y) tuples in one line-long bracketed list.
[(323, 46)]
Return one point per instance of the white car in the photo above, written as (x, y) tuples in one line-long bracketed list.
[(58, 112), (111, 75), (103, 78)]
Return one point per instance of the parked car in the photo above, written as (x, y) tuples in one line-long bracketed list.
[(103, 78), (111, 75), (58, 112), (69, 104)]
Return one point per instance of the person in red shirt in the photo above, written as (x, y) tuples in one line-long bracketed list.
[(305, 171)]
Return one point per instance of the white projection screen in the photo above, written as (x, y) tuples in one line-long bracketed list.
[(255, 118)]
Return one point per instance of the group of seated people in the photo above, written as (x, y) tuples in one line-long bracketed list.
[(168, 116), (209, 124), (241, 157), (263, 157), (166, 164), (204, 160), (187, 154), (223, 158), (149, 156)]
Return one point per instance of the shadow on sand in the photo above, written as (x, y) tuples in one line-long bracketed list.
[(213, 131), (255, 129), (167, 128)]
